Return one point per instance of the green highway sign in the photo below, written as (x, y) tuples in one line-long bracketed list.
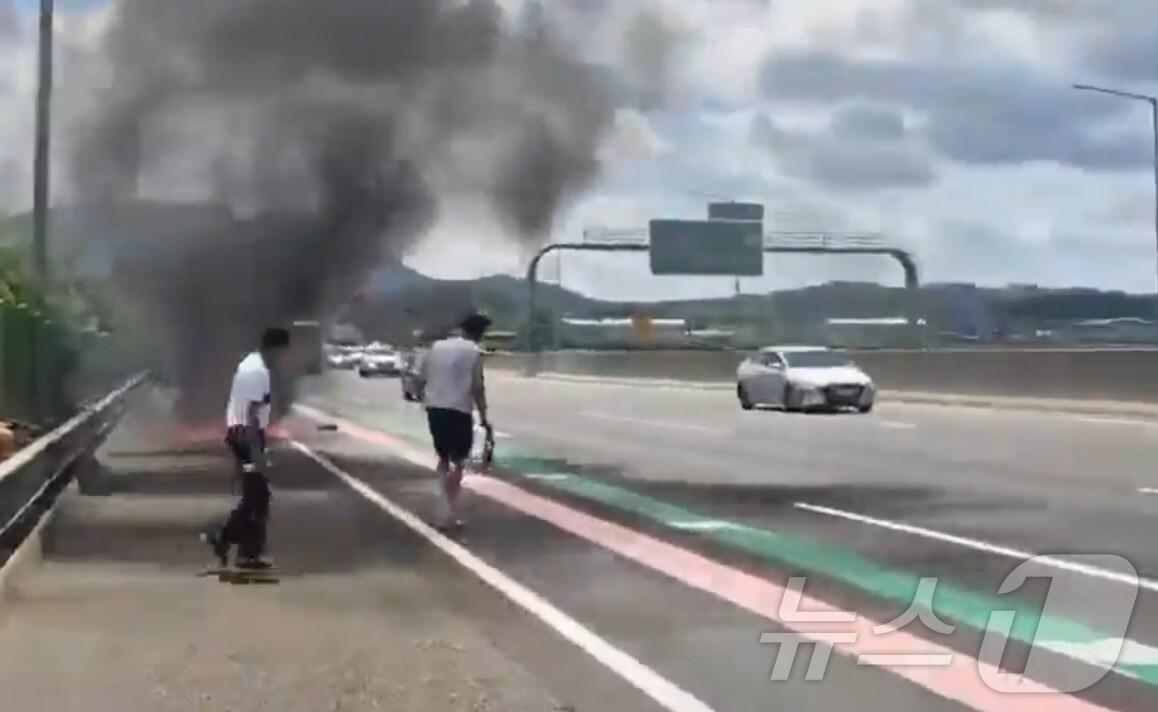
[(707, 247), (751, 212)]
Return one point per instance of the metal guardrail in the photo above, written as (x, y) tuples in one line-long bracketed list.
[(780, 238), (902, 257), (825, 240), (1122, 375), (30, 476)]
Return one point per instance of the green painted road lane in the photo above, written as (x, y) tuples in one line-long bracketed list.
[(950, 602)]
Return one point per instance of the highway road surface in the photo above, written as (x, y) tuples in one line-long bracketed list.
[(699, 541)]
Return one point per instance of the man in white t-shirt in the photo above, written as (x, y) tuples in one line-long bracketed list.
[(453, 376), (246, 420)]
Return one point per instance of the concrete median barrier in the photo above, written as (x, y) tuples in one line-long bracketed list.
[(1126, 375)]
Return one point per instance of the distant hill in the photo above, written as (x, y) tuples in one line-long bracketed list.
[(399, 301)]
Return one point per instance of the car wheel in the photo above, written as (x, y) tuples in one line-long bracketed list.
[(865, 408), (742, 394)]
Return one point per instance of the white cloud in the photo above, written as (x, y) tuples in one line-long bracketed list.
[(949, 125), (633, 138), (1029, 173)]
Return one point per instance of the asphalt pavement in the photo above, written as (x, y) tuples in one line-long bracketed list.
[(632, 549), (367, 615), (876, 513)]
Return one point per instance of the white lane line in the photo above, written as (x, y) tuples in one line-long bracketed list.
[(648, 681), (1098, 420), (897, 425), (981, 409), (499, 435), (704, 526), (978, 545), (653, 423), (959, 682), (652, 384), (1148, 490)]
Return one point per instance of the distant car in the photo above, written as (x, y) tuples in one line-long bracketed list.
[(803, 378), (342, 360), (411, 374), (379, 362)]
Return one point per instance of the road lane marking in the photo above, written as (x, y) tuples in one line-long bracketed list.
[(634, 383), (958, 681), (1148, 490), (653, 423), (983, 409), (670, 696), (499, 435), (1109, 651), (1098, 420), (703, 526), (954, 603), (897, 425), (977, 544)]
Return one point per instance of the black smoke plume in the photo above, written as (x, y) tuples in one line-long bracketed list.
[(320, 136)]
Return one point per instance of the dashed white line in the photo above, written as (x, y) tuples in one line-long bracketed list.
[(898, 425), (669, 696), (653, 423), (704, 526), (978, 545), (499, 435), (1148, 490), (1097, 420)]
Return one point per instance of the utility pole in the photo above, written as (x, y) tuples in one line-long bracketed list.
[(42, 168), (1153, 102), (42, 359)]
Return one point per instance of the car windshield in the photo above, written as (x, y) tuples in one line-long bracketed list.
[(817, 359)]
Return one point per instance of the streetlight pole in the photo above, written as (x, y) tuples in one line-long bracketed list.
[(40, 189), (40, 202), (1153, 102)]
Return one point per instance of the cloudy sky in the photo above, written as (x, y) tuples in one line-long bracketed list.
[(948, 126)]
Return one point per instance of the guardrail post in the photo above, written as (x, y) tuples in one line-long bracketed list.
[(91, 477)]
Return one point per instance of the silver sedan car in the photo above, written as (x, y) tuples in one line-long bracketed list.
[(803, 378)]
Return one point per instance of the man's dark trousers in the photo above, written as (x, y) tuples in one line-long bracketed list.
[(246, 526)]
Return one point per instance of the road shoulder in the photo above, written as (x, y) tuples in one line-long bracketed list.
[(366, 617)]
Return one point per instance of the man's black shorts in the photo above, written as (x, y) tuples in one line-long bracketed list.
[(453, 432), (238, 442)]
